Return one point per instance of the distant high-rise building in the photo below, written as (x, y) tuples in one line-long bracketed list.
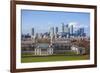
[(81, 31), (52, 34), (56, 30), (78, 33), (62, 27), (71, 29), (66, 29), (52, 31), (32, 31)]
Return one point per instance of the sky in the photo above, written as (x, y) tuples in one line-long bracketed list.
[(41, 21)]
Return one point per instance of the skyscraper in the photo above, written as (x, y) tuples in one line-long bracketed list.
[(81, 31), (71, 30), (56, 30), (51, 34), (52, 31), (66, 29), (62, 27), (32, 31)]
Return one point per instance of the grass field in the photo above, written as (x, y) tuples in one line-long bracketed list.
[(53, 58)]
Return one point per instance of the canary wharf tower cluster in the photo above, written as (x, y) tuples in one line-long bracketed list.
[(68, 31)]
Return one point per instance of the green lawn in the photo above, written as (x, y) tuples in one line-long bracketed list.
[(53, 58)]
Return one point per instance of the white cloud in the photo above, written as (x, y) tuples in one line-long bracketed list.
[(78, 25)]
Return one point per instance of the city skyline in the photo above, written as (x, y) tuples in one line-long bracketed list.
[(42, 21)]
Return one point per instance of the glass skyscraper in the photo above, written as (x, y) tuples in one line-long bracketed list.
[(32, 31)]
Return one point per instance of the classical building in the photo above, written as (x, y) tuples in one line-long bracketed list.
[(43, 49), (61, 46), (78, 50)]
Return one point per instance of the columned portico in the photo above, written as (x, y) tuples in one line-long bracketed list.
[(41, 51)]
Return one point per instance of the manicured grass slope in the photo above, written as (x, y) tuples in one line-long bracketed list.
[(53, 58)]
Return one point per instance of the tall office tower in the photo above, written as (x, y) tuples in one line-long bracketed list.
[(52, 31), (78, 32), (81, 31), (68, 35), (66, 28), (71, 30), (62, 27), (32, 31), (56, 32), (51, 34)]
